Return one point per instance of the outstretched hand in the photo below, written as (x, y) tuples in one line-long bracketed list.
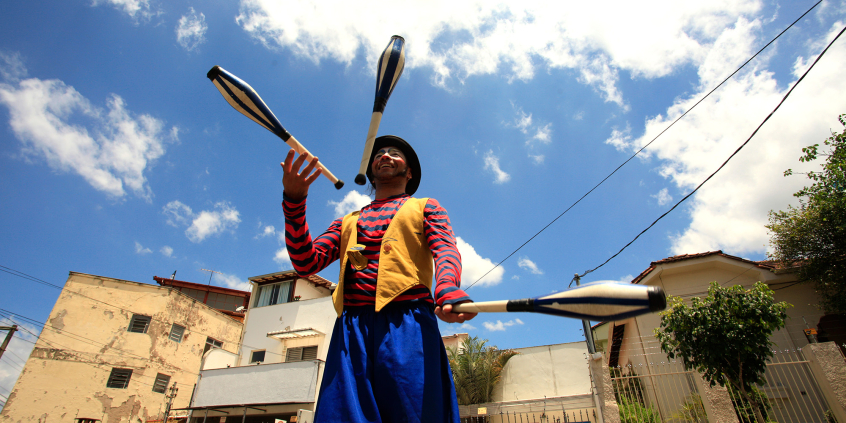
[(296, 183), (445, 313)]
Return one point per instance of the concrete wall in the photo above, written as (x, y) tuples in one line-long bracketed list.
[(263, 384), (545, 371), (86, 336)]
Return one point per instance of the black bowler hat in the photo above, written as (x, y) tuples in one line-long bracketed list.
[(410, 157)]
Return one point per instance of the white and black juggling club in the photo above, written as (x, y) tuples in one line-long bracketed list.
[(388, 72), (243, 98), (597, 302)]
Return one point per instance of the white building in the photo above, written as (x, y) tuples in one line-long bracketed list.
[(280, 363)]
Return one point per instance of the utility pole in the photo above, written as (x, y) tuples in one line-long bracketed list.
[(586, 326), (9, 335), (170, 396)]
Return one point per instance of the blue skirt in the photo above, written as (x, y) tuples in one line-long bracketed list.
[(389, 366)]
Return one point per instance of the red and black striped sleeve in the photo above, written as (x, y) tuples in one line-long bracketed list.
[(308, 257), (445, 252)]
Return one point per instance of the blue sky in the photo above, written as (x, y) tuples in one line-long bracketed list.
[(120, 158)]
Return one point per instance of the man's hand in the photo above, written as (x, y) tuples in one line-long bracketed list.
[(296, 184), (445, 313)]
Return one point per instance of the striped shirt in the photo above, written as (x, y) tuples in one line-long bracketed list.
[(310, 257)]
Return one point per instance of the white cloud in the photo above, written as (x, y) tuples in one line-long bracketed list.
[(512, 38), (544, 134), (137, 9), (523, 121), (500, 325), (454, 328), (111, 149), (353, 201), (231, 281), (730, 211), (663, 197), (191, 30), (12, 68), (473, 266), (529, 265), (166, 251), (492, 164), (268, 230), (283, 259), (624, 279), (537, 158), (139, 249), (206, 223), (177, 213), (17, 352)]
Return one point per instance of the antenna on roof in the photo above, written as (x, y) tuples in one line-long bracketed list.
[(211, 273), (173, 275)]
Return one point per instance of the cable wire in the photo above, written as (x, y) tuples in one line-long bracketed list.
[(645, 146), (796, 84)]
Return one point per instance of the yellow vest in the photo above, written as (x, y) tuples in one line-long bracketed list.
[(404, 260)]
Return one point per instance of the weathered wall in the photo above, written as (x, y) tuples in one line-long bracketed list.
[(87, 336)]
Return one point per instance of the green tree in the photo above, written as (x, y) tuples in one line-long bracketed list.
[(476, 369), (725, 336), (812, 237)]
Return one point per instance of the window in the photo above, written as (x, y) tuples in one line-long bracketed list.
[(257, 356), (139, 323), (616, 343), (224, 301), (194, 293), (271, 294), (212, 343), (86, 420), (160, 385), (176, 333), (301, 354), (119, 378)]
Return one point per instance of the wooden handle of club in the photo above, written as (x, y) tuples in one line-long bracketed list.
[(375, 120), (483, 307), (302, 150)]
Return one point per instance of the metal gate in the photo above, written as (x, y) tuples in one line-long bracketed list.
[(657, 390), (792, 393)]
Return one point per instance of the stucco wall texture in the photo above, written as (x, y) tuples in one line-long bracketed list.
[(86, 337)]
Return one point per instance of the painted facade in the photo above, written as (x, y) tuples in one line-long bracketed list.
[(277, 371), (111, 351)]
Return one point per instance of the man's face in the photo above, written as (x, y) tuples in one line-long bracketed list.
[(389, 162)]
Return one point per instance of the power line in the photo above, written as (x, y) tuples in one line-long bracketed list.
[(645, 146), (796, 84)]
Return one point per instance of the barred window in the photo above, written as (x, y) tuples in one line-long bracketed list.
[(139, 323), (160, 385), (176, 333), (119, 378), (301, 354)]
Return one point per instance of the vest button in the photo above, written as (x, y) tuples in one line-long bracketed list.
[(387, 248)]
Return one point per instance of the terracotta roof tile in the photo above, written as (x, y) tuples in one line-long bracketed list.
[(764, 264)]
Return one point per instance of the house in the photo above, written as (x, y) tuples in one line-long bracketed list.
[(225, 300), (114, 350), (278, 369), (796, 387)]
